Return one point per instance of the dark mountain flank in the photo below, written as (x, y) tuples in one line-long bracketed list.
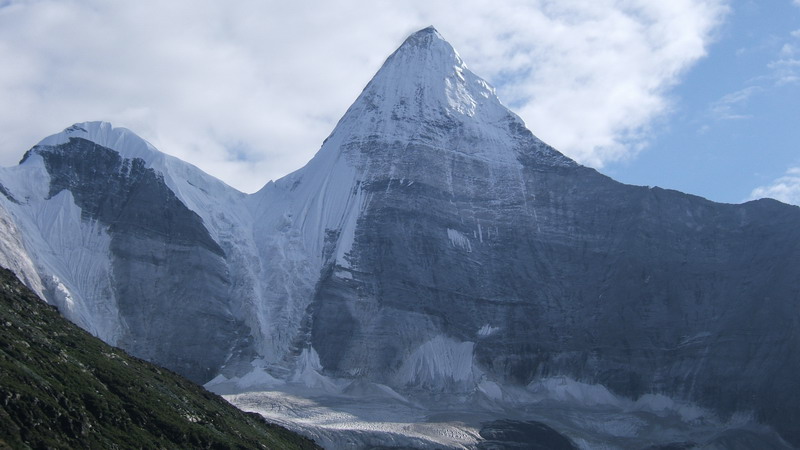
[(62, 388)]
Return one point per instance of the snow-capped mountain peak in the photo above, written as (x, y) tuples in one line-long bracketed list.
[(424, 77), (191, 185), (424, 94), (127, 143), (426, 74)]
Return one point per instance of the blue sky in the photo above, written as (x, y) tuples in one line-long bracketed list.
[(696, 95), (736, 119)]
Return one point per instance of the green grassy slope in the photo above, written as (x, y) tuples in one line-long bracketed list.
[(60, 387)]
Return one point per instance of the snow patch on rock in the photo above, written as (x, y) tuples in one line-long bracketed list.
[(565, 389), (307, 372), (458, 240), (663, 405), (362, 388), (487, 330), (440, 364), (491, 390)]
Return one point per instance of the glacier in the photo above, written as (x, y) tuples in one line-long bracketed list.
[(434, 268)]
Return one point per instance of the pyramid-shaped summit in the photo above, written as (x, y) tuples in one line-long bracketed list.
[(425, 95), (424, 62), (433, 245)]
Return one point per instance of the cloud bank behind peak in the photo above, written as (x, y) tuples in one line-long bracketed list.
[(247, 90)]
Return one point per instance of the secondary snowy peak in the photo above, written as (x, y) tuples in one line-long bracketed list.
[(130, 243), (127, 143), (196, 189)]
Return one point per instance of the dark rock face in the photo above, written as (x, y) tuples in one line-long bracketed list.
[(514, 434), (7, 194), (642, 290), (484, 235), (171, 280)]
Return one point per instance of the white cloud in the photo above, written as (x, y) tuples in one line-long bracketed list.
[(727, 107), (786, 68), (785, 188), (248, 89)]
